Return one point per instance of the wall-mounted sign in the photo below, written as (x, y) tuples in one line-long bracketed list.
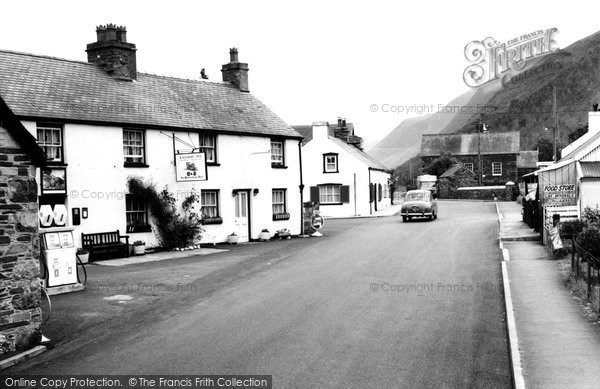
[(191, 167), (560, 195), (54, 181)]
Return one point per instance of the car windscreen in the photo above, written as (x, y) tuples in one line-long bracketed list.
[(417, 196)]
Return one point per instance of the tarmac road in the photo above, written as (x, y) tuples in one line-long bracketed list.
[(376, 303)]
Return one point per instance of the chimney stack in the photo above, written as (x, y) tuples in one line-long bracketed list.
[(236, 72), (112, 53)]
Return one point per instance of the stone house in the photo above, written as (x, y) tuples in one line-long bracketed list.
[(20, 311), (499, 153)]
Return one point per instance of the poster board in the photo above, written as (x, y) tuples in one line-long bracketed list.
[(191, 167)]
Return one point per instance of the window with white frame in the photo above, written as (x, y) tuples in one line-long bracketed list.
[(209, 202), (330, 163), (208, 145), (50, 140), (278, 201), (496, 168), (277, 153), (136, 211), (133, 146), (468, 166), (329, 194)]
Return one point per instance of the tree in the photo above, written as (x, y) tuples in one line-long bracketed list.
[(545, 149), (439, 165)]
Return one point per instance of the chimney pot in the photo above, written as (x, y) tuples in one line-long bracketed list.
[(233, 55)]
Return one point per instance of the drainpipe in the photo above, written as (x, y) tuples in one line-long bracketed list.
[(370, 194), (301, 186), (355, 210)]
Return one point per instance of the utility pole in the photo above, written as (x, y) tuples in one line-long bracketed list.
[(555, 115), (479, 167)]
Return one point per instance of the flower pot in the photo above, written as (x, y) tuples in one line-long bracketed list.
[(84, 258), (233, 239), (139, 250), (264, 236)]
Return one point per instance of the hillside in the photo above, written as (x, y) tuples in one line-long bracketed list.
[(524, 103), (404, 141)]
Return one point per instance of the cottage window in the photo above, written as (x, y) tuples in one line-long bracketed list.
[(278, 201), (330, 163), (50, 141), (496, 168), (277, 154), (468, 166), (137, 213), (209, 202), (208, 145), (133, 147), (329, 194)]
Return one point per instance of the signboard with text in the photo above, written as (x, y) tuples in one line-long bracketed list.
[(560, 195), (191, 167)]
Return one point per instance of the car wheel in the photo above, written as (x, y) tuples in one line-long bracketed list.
[(435, 215), (430, 217), (404, 219)]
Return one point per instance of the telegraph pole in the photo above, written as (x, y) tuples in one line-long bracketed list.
[(555, 115), (479, 167)]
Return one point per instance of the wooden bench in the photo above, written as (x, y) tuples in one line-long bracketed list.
[(105, 241)]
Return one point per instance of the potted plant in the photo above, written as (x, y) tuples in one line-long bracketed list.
[(233, 238), (139, 247), (264, 235), (284, 233), (83, 255)]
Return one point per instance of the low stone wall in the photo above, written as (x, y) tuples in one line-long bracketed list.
[(20, 289), (483, 193)]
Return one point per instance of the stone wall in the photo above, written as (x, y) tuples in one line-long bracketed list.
[(20, 290)]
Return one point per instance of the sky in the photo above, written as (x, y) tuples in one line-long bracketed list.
[(309, 60)]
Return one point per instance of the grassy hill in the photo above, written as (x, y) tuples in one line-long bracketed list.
[(522, 103)]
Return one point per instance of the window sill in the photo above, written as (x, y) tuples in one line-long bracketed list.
[(331, 203), (134, 229), (56, 164), (212, 220), (326, 172), (133, 164), (274, 166), (281, 216), (212, 164)]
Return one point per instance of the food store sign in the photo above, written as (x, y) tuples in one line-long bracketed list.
[(558, 195)]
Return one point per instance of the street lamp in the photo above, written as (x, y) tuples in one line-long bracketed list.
[(555, 157)]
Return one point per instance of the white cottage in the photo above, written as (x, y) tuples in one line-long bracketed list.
[(101, 122), (339, 175)]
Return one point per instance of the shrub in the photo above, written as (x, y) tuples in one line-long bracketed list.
[(589, 237), (174, 229)]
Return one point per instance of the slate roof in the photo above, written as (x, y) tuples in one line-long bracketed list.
[(528, 159), (467, 144), (306, 132), (52, 88)]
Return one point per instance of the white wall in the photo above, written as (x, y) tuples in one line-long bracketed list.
[(96, 178), (351, 171)]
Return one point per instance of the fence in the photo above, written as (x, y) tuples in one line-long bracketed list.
[(580, 256)]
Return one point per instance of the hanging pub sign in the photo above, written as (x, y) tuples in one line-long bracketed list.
[(191, 167), (560, 195), (54, 181)]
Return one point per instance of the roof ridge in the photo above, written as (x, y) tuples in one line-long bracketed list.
[(45, 56), (185, 79)]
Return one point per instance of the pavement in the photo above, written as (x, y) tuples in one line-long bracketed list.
[(375, 303), (556, 344)]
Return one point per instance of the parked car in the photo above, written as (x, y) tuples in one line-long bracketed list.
[(419, 203)]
